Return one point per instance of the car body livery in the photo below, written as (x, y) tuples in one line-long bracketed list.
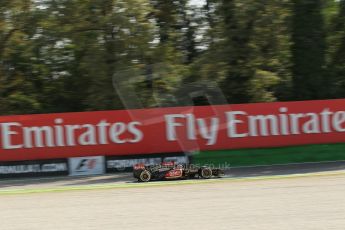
[(170, 170)]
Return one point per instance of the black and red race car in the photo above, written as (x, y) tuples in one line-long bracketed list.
[(170, 170)]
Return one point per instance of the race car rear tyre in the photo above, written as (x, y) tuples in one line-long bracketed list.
[(206, 173), (145, 176)]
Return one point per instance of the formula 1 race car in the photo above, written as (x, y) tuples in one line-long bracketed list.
[(170, 170)]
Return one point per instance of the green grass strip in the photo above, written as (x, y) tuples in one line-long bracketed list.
[(271, 156)]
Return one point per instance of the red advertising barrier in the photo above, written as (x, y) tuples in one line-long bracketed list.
[(147, 131)]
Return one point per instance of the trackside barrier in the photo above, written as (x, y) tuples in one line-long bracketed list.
[(125, 163), (84, 166), (169, 130), (58, 167)]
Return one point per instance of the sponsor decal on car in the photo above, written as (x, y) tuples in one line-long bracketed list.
[(172, 174)]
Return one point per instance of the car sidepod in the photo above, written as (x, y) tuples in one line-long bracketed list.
[(174, 174)]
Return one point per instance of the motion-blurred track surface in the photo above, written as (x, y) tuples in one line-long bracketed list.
[(307, 202)]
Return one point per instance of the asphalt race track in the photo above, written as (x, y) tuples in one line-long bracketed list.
[(299, 196)]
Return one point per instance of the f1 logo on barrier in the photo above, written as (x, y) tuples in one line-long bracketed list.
[(86, 165)]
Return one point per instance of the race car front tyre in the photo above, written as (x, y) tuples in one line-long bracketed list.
[(145, 176), (206, 173)]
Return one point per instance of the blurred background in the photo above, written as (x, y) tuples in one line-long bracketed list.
[(63, 55)]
